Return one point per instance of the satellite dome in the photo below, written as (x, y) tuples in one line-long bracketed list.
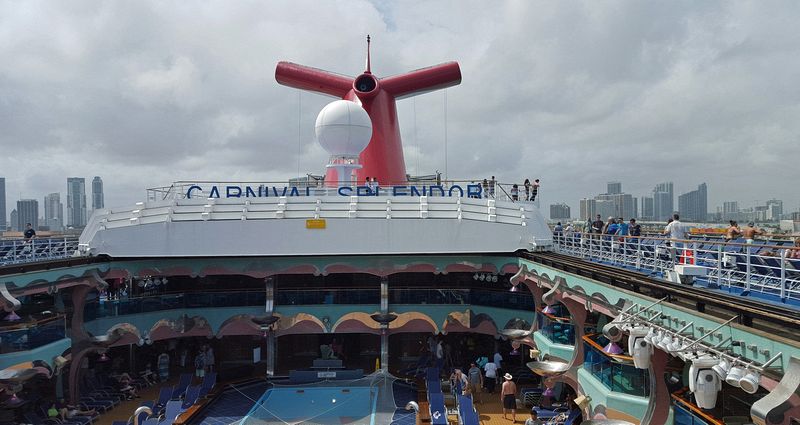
[(343, 128)]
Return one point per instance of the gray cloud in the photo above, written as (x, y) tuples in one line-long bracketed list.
[(575, 93)]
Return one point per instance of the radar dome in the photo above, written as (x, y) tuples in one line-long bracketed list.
[(343, 128)]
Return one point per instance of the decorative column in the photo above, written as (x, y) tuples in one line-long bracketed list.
[(660, 399), (384, 318), (266, 324)]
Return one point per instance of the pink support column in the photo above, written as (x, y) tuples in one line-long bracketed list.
[(660, 401)]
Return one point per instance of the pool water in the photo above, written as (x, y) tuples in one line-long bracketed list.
[(321, 405)]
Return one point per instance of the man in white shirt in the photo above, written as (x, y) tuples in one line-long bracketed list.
[(490, 370), (498, 360), (676, 231), (439, 356)]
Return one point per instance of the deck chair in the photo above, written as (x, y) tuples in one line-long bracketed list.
[(120, 423), (171, 412), (437, 410), (183, 384), (144, 415), (466, 412), (192, 393), (209, 381)]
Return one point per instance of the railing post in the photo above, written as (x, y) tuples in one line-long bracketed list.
[(783, 274), (639, 252), (719, 265), (748, 271)]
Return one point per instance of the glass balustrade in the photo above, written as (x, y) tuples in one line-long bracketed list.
[(616, 372), (32, 335), (504, 299), (557, 329)]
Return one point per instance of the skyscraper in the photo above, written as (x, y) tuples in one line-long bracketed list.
[(76, 202), (97, 193), (559, 212), (3, 223), (648, 211), (730, 210), (14, 221), (614, 188), (27, 212), (663, 201), (54, 211), (693, 205), (774, 209)]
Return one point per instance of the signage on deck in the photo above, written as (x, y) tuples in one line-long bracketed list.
[(315, 223), (326, 374), (262, 191)]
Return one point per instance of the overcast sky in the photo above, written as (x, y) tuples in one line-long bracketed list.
[(574, 93)]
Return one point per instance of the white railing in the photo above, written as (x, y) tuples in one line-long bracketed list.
[(19, 251), (307, 207), (768, 267)]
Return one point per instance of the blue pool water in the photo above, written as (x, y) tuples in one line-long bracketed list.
[(321, 405)]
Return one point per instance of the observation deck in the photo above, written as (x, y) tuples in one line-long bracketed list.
[(197, 219)]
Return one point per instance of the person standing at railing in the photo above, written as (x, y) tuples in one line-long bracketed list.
[(635, 230), (794, 252), (514, 192), (750, 232), (485, 188), (29, 233), (534, 190), (492, 184), (733, 231), (527, 185), (677, 231)]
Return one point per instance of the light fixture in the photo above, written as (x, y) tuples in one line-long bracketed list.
[(548, 309), (735, 374), (482, 277), (651, 336), (548, 392), (12, 317), (513, 288), (104, 357), (665, 342), (141, 284), (14, 399), (494, 278), (475, 276), (612, 348), (676, 346), (722, 369), (749, 382), (164, 280)]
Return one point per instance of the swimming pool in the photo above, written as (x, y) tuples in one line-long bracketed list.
[(315, 405)]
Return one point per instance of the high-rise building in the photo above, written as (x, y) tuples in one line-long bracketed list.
[(14, 221), (76, 202), (730, 210), (663, 201), (624, 204), (648, 213), (606, 208), (3, 223), (774, 209), (559, 212), (693, 205), (614, 188), (27, 212), (54, 211), (588, 208), (97, 193)]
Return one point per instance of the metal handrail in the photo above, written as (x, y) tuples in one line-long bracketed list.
[(19, 251)]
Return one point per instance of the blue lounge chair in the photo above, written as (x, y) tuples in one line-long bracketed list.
[(466, 412), (437, 410), (120, 423), (183, 384), (151, 421), (191, 397), (209, 381), (171, 412), (164, 395), (144, 415)]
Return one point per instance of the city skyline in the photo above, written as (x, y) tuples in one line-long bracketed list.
[(592, 99)]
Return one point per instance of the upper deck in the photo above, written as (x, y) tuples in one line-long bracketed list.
[(220, 220)]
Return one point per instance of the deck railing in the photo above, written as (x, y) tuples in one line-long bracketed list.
[(19, 251), (769, 268)]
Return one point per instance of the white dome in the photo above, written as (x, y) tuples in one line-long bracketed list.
[(343, 128)]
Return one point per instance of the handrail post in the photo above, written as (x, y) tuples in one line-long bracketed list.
[(748, 271), (783, 274), (639, 252), (719, 265)]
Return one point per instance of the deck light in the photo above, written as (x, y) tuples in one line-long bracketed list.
[(749, 383), (735, 375), (548, 309), (612, 348), (12, 317), (722, 369)]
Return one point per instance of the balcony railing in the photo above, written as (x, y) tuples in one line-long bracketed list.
[(559, 330), (19, 251), (771, 268), (616, 372), (30, 335), (110, 308)]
